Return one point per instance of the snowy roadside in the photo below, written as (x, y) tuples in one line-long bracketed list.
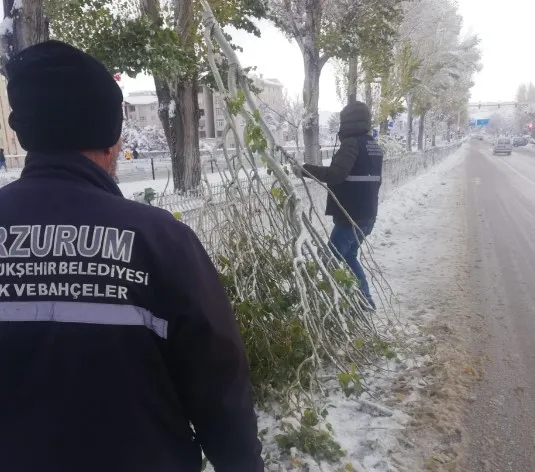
[(372, 436), (412, 244)]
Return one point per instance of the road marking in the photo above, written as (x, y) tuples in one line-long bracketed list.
[(527, 179)]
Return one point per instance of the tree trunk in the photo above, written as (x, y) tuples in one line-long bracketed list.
[(30, 27), (409, 123), (164, 100), (421, 132), (352, 79), (383, 127), (449, 130), (311, 94), (368, 94), (181, 127), (187, 157), (178, 111)]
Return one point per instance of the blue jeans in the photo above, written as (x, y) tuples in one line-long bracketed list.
[(345, 243)]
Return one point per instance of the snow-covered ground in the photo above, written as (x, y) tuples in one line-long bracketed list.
[(411, 245)]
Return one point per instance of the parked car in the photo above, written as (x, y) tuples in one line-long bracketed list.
[(520, 141), (503, 146)]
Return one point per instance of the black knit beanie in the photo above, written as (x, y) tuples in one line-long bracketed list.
[(62, 100), (355, 120)]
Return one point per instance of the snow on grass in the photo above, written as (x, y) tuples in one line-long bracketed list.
[(393, 210), (370, 436)]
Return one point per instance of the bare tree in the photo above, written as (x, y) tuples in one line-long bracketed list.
[(445, 62), (289, 117), (334, 123)]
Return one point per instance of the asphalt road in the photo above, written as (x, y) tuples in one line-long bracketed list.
[(500, 212)]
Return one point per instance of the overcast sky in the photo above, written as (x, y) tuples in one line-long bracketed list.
[(507, 40)]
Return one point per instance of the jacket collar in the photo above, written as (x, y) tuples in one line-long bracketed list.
[(74, 167)]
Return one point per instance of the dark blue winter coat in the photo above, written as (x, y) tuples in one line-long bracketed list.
[(355, 173), (116, 336), (359, 192)]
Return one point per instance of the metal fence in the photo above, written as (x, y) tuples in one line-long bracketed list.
[(197, 210), (155, 165)]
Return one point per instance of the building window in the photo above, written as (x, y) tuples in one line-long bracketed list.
[(202, 123), (153, 107), (219, 112), (220, 123), (131, 108), (202, 134), (219, 134), (142, 118), (201, 111)]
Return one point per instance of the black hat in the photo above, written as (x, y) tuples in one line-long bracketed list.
[(63, 100), (355, 119)]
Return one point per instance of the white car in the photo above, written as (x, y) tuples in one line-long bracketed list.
[(503, 146)]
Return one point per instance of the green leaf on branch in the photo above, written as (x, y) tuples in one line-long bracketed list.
[(384, 348), (350, 382), (310, 418), (235, 106), (344, 277), (254, 137), (319, 443)]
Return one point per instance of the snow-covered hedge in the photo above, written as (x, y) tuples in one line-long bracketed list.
[(148, 138)]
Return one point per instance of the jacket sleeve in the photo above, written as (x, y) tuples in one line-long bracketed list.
[(212, 374), (341, 164)]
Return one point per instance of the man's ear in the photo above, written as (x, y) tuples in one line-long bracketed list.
[(113, 150), (108, 152)]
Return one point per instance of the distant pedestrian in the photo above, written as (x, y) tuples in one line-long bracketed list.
[(135, 154), (3, 160), (119, 351), (354, 177)]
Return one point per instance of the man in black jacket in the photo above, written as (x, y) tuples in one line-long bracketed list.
[(354, 177), (118, 348)]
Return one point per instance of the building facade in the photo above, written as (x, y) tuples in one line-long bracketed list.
[(270, 99), (206, 111), (142, 108), (8, 137)]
